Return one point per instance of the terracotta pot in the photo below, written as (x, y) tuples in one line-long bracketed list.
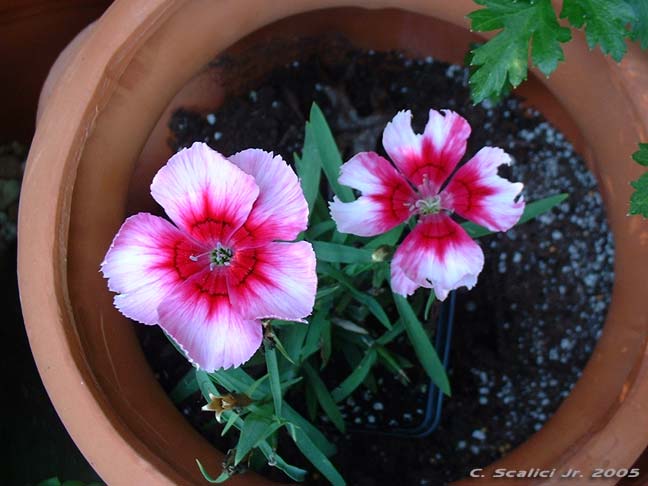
[(32, 33), (144, 56)]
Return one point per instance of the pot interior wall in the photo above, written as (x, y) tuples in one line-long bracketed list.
[(299, 36), (127, 386)]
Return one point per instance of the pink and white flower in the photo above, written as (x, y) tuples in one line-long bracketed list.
[(438, 253), (208, 280)]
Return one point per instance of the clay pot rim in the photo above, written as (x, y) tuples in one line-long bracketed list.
[(44, 254)]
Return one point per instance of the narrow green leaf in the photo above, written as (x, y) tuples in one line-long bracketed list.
[(355, 379), (327, 344), (186, 387), (205, 384), (311, 402), (324, 397), (293, 341), (326, 291), (371, 303), (231, 420), (392, 364), (428, 304), (54, 481), (237, 380), (270, 454), (328, 152), (255, 430), (392, 334), (275, 380), (220, 479), (323, 444), (317, 230), (293, 472), (334, 253), (309, 170), (315, 456), (313, 341), (531, 210), (390, 238), (423, 348), (280, 347)]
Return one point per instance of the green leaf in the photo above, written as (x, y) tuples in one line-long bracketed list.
[(326, 291), (639, 198), (641, 155), (255, 430), (604, 21), (280, 347), (275, 379), (503, 59), (311, 402), (423, 348), (237, 380), (355, 379), (392, 364), (317, 230), (371, 303), (205, 384), (328, 152), (428, 305), (185, 387), (293, 342), (231, 420), (639, 25), (309, 170), (323, 444), (392, 334), (324, 397), (220, 479), (54, 481), (315, 456), (313, 341), (334, 253), (293, 472), (531, 210), (390, 238)]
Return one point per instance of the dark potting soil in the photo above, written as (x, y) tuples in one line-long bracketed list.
[(521, 337)]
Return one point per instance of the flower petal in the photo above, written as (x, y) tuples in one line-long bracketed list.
[(477, 193), (204, 194), (400, 283), (199, 317), (147, 258), (438, 252), (386, 198), (431, 156), (280, 212), (277, 280)]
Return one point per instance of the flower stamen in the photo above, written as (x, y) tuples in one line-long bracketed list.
[(218, 257), (428, 205)]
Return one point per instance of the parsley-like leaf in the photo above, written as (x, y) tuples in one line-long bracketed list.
[(639, 199), (641, 155), (503, 59), (605, 23), (639, 25)]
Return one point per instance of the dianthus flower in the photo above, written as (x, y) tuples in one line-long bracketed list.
[(209, 279), (437, 253)]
